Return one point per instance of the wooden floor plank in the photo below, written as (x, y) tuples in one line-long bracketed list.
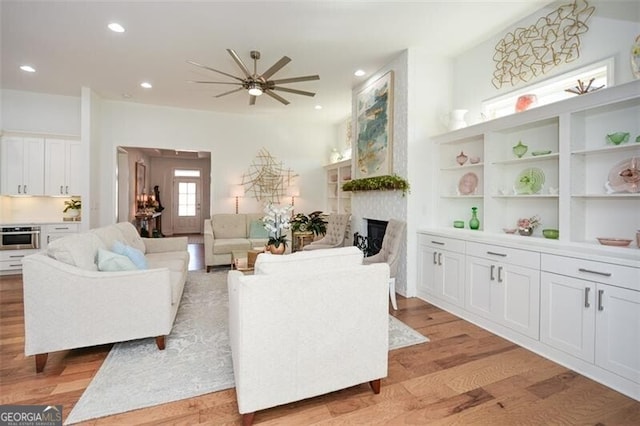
[(464, 375)]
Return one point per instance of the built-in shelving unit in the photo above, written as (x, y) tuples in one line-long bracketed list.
[(337, 174), (574, 197)]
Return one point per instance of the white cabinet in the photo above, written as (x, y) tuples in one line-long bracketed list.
[(62, 167), (11, 260), (441, 269), (22, 165), (591, 310), (55, 231), (503, 285), (337, 174)]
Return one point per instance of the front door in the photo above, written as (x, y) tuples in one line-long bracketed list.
[(187, 195)]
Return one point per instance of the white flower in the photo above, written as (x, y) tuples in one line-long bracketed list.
[(276, 219)]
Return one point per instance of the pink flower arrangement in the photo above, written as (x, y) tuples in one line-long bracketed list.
[(530, 223)]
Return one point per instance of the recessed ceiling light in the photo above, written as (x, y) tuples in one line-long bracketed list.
[(318, 107), (359, 73), (27, 68), (115, 27), (146, 85)]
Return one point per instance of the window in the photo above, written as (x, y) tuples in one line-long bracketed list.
[(552, 89), (186, 199), (186, 173)]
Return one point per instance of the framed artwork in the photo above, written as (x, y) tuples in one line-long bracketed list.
[(374, 128), (140, 180)]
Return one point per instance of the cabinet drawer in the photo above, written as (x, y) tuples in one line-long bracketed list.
[(618, 275), (441, 243), (15, 255), (527, 259), (70, 227), (11, 265)]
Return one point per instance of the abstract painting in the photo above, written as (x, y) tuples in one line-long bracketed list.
[(374, 128)]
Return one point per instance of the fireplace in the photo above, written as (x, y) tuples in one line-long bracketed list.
[(372, 242)]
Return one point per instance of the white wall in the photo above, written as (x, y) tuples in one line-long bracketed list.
[(612, 29), (233, 141)]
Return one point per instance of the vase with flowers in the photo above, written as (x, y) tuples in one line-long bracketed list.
[(527, 225), (276, 221)]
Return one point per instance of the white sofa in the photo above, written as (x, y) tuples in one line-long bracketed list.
[(307, 324), (69, 303), (226, 232)]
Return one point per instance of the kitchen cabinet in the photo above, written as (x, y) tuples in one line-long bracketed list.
[(62, 165), (53, 232), (591, 310), (503, 285), (441, 269), (22, 165), (11, 260)]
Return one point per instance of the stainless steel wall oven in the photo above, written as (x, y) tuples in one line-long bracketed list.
[(19, 237)]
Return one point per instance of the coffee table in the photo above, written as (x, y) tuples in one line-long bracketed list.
[(244, 260)]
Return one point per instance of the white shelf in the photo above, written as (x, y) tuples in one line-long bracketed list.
[(580, 161), (337, 174)]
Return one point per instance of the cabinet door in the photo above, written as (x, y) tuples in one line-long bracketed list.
[(56, 167), (12, 166), (618, 331), (567, 315), (519, 306), (480, 295), (450, 276), (427, 264)]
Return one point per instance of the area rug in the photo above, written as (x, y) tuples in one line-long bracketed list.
[(196, 361)]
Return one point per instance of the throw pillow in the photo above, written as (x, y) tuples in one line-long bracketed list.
[(110, 261), (257, 231), (135, 255)]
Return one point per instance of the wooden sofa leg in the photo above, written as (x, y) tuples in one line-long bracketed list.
[(41, 360), (247, 419), (160, 342), (375, 385)]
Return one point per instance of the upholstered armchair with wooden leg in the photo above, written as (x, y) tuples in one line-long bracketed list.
[(334, 237), (390, 254)]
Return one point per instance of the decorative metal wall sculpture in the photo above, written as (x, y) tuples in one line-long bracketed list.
[(267, 178), (528, 52)]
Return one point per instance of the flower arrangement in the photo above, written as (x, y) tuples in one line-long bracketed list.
[(315, 222), (526, 226), (72, 205), (275, 221)]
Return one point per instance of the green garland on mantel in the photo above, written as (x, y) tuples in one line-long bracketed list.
[(378, 183)]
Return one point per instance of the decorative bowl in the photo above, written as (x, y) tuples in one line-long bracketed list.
[(509, 230), (458, 223), (618, 137), (552, 234), (474, 160), (617, 242), (544, 152)]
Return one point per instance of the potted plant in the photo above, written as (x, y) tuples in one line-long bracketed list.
[(72, 208), (315, 222), (276, 221)]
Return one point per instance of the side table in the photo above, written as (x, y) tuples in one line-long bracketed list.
[(301, 239)]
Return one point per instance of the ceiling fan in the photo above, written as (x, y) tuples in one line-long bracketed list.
[(257, 84)]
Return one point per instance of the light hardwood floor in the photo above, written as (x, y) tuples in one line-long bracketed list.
[(464, 376)]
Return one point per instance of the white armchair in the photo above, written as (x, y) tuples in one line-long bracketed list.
[(390, 254), (336, 228)]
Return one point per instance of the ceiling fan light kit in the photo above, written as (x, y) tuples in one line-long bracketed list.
[(257, 84)]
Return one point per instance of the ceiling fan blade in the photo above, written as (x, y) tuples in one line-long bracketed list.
[(239, 62), (229, 92), (276, 67), (214, 70), (252, 100), (212, 82), (296, 79), (276, 97), (296, 91)]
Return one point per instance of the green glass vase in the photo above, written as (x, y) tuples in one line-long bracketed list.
[(474, 223)]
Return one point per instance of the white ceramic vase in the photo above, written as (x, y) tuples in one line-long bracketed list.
[(456, 119)]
